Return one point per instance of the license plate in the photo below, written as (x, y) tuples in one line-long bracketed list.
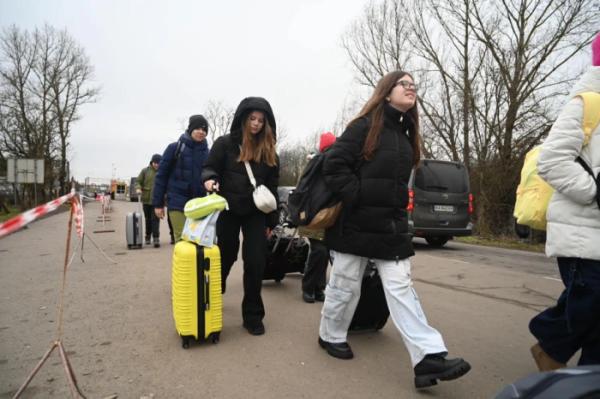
[(443, 208)]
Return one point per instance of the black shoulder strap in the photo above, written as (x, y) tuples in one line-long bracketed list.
[(596, 178), (178, 150)]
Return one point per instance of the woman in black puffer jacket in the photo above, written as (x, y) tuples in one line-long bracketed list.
[(369, 167), (252, 139)]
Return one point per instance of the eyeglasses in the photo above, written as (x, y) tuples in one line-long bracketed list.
[(406, 85)]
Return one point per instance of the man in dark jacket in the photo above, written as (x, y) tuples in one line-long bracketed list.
[(179, 173), (143, 187)]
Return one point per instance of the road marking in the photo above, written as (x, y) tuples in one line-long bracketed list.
[(448, 259), (552, 278)]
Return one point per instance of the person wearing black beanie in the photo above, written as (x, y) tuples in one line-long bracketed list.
[(197, 122), (179, 174)]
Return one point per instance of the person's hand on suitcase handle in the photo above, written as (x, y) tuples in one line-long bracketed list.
[(211, 185)]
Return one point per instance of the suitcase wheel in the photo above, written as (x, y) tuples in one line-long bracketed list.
[(128, 246), (278, 280), (185, 342), (215, 338)]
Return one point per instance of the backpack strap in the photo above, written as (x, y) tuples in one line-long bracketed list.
[(178, 150), (596, 178), (591, 113)]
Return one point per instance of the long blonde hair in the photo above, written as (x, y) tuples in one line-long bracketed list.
[(375, 107), (258, 147)]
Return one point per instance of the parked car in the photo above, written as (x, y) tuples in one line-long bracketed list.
[(284, 192), (440, 202)]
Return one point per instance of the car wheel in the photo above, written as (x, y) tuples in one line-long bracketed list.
[(437, 241)]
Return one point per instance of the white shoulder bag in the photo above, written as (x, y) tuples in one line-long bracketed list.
[(263, 198)]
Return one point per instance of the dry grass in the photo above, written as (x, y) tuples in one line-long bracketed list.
[(5, 216)]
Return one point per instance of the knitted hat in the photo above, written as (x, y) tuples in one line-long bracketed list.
[(596, 51), (326, 140), (156, 158), (197, 122)]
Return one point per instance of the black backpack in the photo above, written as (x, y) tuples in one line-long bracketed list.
[(311, 194)]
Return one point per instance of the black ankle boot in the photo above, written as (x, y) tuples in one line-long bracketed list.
[(308, 297), (437, 367), (319, 296), (340, 350), (257, 328)]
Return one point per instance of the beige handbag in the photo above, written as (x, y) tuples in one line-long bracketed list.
[(325, 218)]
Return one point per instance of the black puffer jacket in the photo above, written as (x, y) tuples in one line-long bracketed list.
[(374, 221), (222, 164)]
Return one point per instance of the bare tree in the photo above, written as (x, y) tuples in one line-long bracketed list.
[(529, 44), (348, 111), (377, 42), (293, 157), (219, 118), (70, 72), (44, 80), (490, 77)]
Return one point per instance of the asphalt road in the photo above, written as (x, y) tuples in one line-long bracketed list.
[(121, 341)]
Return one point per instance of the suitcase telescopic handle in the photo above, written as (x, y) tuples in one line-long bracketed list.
[(207, 291)]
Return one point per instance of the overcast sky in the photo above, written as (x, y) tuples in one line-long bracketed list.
[(158, 62)]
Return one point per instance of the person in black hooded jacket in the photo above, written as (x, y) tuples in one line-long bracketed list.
[(252, 138), (368, 167)]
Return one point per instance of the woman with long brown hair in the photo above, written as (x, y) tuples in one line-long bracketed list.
[(369, 167), (252, 139)]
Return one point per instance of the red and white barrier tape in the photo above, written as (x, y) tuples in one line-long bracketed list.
[(19, 221), (78, 213)]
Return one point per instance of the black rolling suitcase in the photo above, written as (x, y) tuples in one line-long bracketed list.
[(372, 311), (285, 254)]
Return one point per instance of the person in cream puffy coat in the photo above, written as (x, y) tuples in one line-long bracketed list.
[(573, 234)]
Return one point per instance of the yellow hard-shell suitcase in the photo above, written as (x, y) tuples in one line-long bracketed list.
[(196, 292)]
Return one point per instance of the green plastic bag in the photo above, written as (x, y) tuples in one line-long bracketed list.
[(198, 208)]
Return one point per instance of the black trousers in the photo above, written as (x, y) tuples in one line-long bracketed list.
[(152, 222), (316, 267), (574, 323), (254, 253)]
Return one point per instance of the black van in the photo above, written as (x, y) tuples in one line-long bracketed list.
[(440, 203)]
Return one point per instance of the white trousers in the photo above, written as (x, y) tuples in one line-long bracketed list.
[(343, 292)]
